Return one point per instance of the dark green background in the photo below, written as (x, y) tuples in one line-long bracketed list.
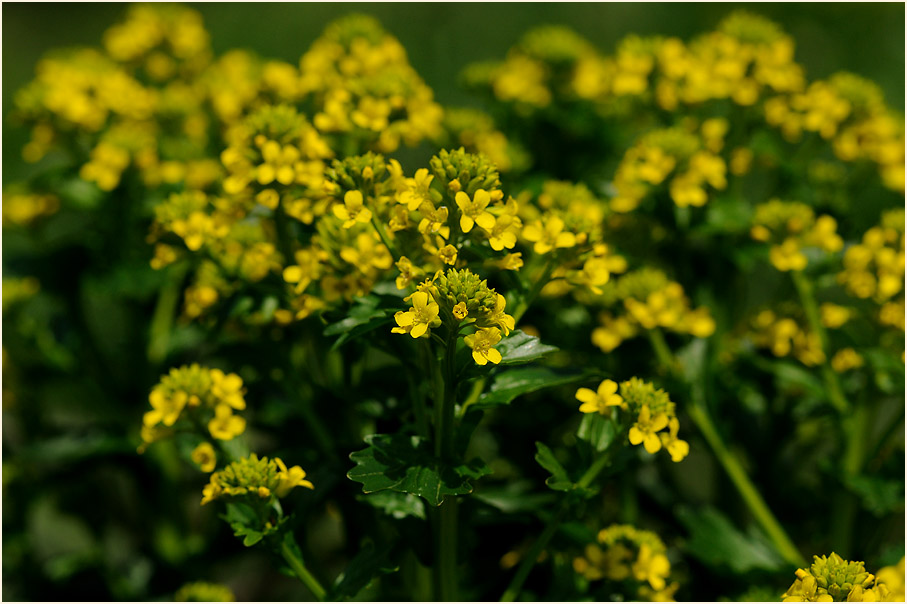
[(867, 38)]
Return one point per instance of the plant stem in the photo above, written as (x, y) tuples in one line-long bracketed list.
[(531, 557), (446, 518), (731, 464), (384, 237), (745, 487), (302, 572), (808, 300), (529, 560), (526, 302)]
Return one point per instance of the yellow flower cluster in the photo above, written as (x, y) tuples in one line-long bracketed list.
[(23, 208), (874, 268), (649, 301), (690, 158), (262, 478), (363, 87), (747, 58), (199, 395), (622, 553), (784, 336), (791, 227), (652, 409), (457, 298), (833, 579)]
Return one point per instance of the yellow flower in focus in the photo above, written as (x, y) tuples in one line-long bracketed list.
[(203, 455), (600, 401), (549, 235), (290, 478), (417, 321), (353, 209), (473, 211), (644, 430), (482, 344)]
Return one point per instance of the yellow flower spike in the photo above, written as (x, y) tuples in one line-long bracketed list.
[(644, 430), (482, 343), (204, 457), (473, 211), (600, 401), (353, 209), (678, 449), (224, 425), (417, 321)]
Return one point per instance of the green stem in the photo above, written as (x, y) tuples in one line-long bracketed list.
[(531, 557), (164, 311), (384, 237), (808, 300), (528, 562), (302, 572), (731, 464), (745, 487), (526, 302)]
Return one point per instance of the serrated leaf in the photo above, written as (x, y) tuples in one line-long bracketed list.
[(368, 564), (878, 495), (398, 505), (520, 347), (559, 480), (598, 430), (407, 464), (715, 541), (512, 383)]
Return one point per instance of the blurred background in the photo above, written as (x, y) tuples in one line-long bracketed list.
[(84, 517), (866, 38)]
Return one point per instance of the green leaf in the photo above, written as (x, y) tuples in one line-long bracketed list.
[(398, 505), (368, 564), (559, 480), (363, 317), (878, 495), (406, 464), (598, 430), (520, 347), (716, 542), (512, 383)]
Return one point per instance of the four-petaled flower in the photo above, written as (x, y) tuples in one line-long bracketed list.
[(352, 210), (482, 343), (677, 448), (645, 428), (474, 210), (419, 318), (601, 401)]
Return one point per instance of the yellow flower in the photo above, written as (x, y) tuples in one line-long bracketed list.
[(834, 316), (460, 311), (203, 455), (408, 272), (846, 359), (165, 410), (645, 428), (417, 191), (499, 318), (290, 478), (448, 254), (352, 210), (651, 567), (549, 235), (787, 256), (678, 449), (481, 343), (224, 425), (422, 316), (600, 401), (228, 388), (473, 210)]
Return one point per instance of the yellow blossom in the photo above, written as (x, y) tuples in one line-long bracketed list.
[(644, 430), (417, 321), (352, 210), (482, 344), (203, 455), (473, 211), (600, 401)]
